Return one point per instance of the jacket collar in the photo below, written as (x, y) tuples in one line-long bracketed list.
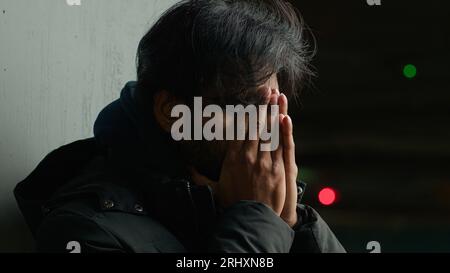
[(134, 141)]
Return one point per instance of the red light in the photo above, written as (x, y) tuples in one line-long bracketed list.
[(327, 196)]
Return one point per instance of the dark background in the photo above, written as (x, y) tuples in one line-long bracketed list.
[(380, 139)]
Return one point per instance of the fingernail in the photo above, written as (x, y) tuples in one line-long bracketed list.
[(289, 120), (280, 97)]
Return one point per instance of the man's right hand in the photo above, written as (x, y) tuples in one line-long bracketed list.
[(250, 174)]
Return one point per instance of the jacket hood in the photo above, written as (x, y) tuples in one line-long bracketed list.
[(125, 135), (132, 137)]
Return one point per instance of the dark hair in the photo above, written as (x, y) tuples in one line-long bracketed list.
[(223, 49)]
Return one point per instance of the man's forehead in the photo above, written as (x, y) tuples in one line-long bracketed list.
[(258, 95), (272, 82)]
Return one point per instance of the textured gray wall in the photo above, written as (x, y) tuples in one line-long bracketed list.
[(59, 65)]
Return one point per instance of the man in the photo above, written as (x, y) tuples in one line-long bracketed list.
[(133, 188)]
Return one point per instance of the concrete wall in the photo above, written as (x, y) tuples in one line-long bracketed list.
[(59, 65)]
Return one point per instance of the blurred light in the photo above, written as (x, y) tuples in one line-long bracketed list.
[(409, 71), (327, 196)]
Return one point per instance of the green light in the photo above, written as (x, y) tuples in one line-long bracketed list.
[(409, 71)]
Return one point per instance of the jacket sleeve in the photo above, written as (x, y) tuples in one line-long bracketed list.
[(312, 234), (251, 227), (69, 233)]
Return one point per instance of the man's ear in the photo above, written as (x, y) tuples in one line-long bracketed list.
[(163, 102)]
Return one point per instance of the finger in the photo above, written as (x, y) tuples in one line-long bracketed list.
[(264, 154), (202, 180), (277, 155), (234, 145), (274, 120), (273, 101), (288, 141), (283, 102), (289, 209), (250, 146)]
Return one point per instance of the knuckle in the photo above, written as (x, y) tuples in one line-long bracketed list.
[(294, 169), (276, 166), (249, 158), (291, 144), (264, 165)]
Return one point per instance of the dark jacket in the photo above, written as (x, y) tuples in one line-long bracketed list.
[(126, 191)]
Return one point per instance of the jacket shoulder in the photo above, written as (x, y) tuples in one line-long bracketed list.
[(107, 228)]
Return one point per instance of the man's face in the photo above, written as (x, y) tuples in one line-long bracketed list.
[(207, 156)]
